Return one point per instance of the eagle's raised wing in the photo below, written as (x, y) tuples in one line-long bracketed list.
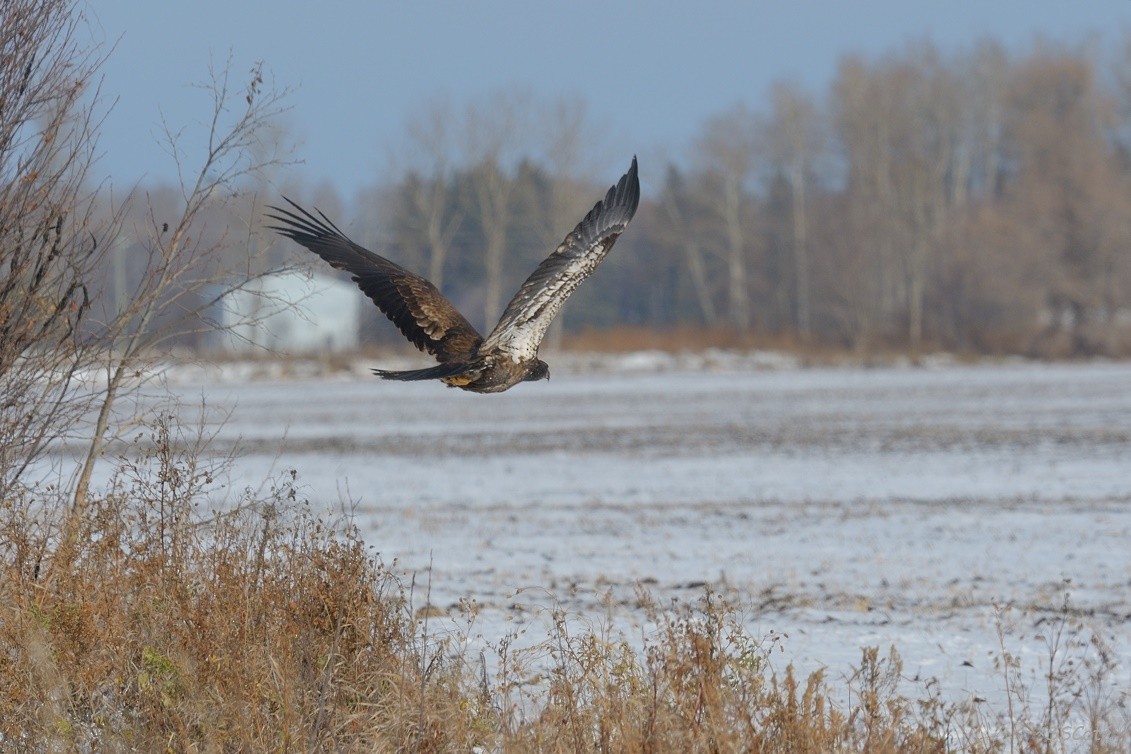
[(524, 322), (414, 305)]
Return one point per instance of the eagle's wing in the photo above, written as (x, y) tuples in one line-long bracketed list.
[(414, 305), (524, 322)]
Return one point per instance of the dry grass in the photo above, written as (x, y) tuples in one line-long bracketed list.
[(258, 629), (172, 627), (704, 684), (689, 339)]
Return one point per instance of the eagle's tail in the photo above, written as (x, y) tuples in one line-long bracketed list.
[(431, 373)]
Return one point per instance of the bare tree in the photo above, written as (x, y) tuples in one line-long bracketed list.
[(180, 261), (679, 226), (899, 123), (982, 79), (1069, 186), (795, 139), (494, 130), (934, 122), (50, 243), (727, 151), (426, 214), (860, 105)]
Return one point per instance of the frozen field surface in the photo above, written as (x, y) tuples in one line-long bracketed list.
[(841, 508)]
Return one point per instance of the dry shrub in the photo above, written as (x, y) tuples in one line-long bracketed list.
[(174, 627), (703, 684)]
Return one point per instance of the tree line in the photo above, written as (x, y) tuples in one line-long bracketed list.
[(977, 201)]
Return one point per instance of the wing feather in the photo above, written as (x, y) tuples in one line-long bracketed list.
[(414, 305), (539, 299)]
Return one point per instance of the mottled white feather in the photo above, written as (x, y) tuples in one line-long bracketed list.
[(528, 315)]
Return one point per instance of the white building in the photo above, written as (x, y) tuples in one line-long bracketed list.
[(291, 312)]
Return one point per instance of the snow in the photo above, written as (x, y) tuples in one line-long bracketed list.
[(914, 507)]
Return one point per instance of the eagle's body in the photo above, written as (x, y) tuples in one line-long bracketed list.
[(509, 354)]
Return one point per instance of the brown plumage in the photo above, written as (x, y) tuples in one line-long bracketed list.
[(509, 354)]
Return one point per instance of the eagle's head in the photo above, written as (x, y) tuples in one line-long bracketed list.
[(539, 370)]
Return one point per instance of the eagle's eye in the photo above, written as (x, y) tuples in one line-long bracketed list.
[(539, 370)]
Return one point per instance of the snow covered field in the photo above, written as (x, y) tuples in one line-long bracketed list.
[(840, 507)]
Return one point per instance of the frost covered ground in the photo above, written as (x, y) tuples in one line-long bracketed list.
[(914, 507)]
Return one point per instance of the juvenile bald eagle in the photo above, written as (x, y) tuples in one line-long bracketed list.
[(509, 354)]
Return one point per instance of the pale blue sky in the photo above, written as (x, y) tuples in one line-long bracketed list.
[(651, 73)]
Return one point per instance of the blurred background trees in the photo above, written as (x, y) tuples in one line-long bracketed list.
[(975, 201), (971, 201)]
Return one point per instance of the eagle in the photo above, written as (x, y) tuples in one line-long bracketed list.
[(467, 360)]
